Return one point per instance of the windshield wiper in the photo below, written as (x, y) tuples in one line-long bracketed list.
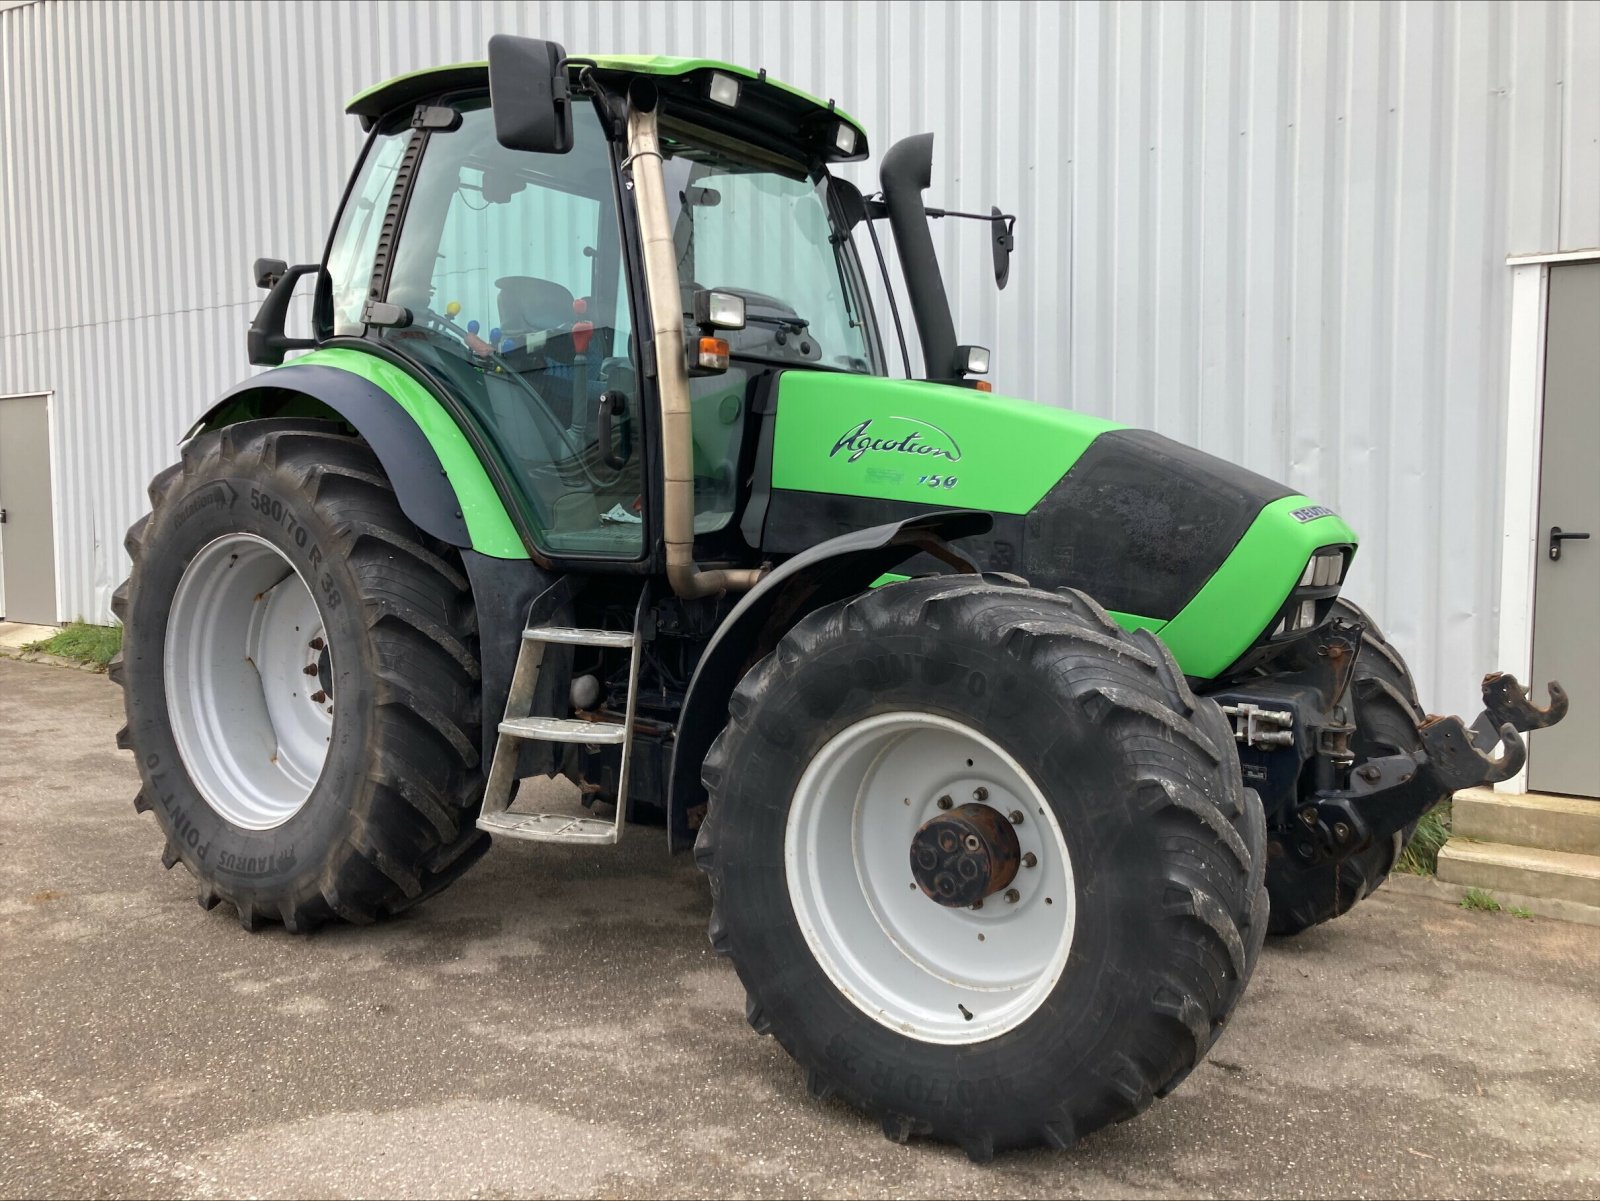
[(796, 323)]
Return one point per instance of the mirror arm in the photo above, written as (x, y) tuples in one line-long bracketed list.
[(266, 342)]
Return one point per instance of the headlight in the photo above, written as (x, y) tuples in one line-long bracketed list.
[(1313, 596)]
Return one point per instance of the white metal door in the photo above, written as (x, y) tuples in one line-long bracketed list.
[(27, 530), (1566, 609)]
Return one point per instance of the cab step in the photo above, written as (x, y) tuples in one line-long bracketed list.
[(521, 724), (550, 827), (576, 637), (565, 729)]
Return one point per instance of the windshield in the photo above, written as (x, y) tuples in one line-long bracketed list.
[(763, 230)]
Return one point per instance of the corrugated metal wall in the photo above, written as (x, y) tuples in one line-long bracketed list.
[(1274, 231)]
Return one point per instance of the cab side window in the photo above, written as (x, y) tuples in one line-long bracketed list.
[(355, 240), (510, 265)]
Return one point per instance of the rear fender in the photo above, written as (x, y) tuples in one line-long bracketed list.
[(436, 475), (828, 572)]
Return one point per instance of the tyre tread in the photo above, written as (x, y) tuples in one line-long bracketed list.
[(418, 834), (1119, 679)]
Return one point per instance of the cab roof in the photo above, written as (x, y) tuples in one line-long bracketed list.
[(412, 87)]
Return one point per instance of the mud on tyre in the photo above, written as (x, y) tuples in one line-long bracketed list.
[(301, 680), (1089, 742)]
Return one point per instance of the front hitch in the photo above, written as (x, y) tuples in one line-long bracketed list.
[(1387, 794), (1506, 703)]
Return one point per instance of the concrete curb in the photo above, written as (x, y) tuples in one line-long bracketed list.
[(22, 656), (1432, 889)]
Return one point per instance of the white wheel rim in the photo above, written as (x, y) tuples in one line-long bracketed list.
[(933, 973), (249, 681)]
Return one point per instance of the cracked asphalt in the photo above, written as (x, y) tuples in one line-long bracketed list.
[(556, 1025)]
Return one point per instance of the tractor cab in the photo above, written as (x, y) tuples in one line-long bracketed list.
[(525, 273)]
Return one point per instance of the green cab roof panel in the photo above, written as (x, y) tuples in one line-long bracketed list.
[(394, 93)]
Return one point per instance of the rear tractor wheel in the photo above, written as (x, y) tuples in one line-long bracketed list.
[(300, 679), (983, 863)]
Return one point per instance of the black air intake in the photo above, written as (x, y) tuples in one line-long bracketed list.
[(905, 173)]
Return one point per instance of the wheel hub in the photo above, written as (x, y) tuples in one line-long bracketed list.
[(964, 855), (249, 681), (955, 971)]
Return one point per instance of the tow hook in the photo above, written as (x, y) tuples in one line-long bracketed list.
[(1389, 793), (1505, 702)]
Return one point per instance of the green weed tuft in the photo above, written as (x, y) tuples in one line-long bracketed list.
[(82, 643), (1477, 898), (1421, 855)]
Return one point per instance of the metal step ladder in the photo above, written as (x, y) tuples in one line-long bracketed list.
[(520, 724)]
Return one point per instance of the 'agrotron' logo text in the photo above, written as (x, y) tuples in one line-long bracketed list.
[(924, 438)]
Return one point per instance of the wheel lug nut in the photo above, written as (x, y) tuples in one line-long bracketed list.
[(945, 802), (317, 644), (1030, 860), (319, 697), (311, 670), (1013, 895), (980, 793), (1016, 817)]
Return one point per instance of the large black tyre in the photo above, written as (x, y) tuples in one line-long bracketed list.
[(1167, 851), (1387, 713), (390, 818)]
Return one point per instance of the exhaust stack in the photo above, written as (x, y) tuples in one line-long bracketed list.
[(672, 375)]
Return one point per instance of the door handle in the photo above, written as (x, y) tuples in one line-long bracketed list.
[(1557, 537), (614, 404)]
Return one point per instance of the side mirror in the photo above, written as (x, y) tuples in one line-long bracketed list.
[(266, 341), (528, 94), (268, 272), (1002, 240)]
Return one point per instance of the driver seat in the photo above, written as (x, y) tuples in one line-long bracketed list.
[(530, 305)]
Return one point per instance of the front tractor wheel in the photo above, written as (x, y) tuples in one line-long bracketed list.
[(982, 861), (300, 678)]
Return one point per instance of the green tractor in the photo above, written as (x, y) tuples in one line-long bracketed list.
[(994, 725)]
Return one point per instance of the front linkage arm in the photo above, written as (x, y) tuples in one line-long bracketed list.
[(1389, 793)]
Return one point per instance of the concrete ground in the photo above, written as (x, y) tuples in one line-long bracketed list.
[(556, 1025), (14, 635)]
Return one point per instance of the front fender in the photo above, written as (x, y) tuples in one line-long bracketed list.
[(437, 477), (828, 572)]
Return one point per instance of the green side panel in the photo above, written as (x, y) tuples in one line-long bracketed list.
[(931, 444), (888, 577), (488, 524), (643, 64), (1245, 593)]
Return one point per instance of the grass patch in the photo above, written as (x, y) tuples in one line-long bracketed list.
[(1477, 898), (1521, 911), (82, 643), (1421, 855)]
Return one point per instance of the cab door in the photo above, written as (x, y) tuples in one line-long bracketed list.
[(501, 273)]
